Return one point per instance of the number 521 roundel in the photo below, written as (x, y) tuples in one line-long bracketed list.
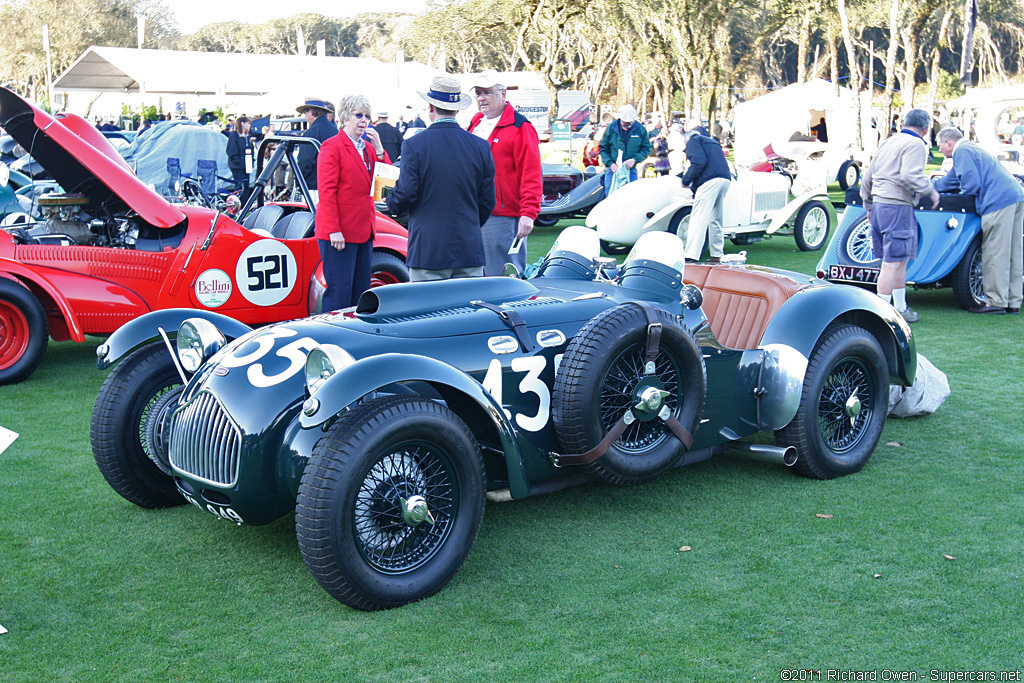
[(266, 272)]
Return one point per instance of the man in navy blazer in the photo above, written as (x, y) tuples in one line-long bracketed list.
[(446, 185), (999, 200)]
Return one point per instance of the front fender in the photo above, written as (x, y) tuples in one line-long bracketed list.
[(370, 374), (789, 211), (802, 320), (146, 329), (38, 284)]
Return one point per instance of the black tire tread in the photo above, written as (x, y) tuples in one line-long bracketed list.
[(324, 473), (800, 432), (568, 406), (141, 483), (39, 331), (961, 277)]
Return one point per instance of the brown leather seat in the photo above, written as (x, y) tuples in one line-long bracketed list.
[(738, 302)]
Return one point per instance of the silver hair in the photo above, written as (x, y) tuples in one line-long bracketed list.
[(350, 104), (918, 118), (949, 133)]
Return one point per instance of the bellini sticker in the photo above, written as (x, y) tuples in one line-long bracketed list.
[(213, 288)]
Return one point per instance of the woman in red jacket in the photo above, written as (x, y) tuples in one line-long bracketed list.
[(345, 216)]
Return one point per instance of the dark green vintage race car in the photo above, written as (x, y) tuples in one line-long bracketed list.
[(384, 427)]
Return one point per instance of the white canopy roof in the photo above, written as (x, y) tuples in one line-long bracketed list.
[(274, 83)]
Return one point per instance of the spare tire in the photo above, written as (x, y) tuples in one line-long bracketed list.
[(602, 375)]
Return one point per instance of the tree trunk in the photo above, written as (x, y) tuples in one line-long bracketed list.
[(804, 42), (890, 60), (851, 57), (833, 58)]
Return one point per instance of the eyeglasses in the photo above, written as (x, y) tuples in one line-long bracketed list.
[(360, 115)]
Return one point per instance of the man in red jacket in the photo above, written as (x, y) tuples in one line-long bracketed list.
[(518, 181)]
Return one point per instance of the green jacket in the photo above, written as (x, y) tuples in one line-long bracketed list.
[(637, 147)]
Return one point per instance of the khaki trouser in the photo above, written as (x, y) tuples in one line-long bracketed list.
[(706, 219), (1001, 255)]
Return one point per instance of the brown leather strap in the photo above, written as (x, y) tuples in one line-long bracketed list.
[(680, 431), (598, 450), (653, 330)]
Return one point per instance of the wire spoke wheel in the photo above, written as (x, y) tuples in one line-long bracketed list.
[(618, 394), (384, 536), (843, 404), (603, 379), (844, 407), (391, 502)]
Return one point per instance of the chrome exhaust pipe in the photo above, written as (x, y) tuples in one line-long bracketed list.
[(776, 455)]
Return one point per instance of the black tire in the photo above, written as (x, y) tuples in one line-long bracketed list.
[(813, 225), (123, 414), (849, 174), (855, 247), (680, 221), (546, 221), (615, 249), (968, 286), (349, 519), (387, 269), (843, 406), (24, 332), (598, 379)]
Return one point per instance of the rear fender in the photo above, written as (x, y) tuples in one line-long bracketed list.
[(146, 330), (461, 393), (661, 219), (63, 321), (802, 320), (790, 210)]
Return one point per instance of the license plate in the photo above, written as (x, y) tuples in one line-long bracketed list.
[(853, 273)]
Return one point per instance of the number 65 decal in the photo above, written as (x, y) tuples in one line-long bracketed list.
[(295, 352)]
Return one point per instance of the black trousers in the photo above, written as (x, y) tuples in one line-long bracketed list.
[(347, 273)]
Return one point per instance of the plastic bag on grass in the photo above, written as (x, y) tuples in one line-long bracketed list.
[(929, 390)]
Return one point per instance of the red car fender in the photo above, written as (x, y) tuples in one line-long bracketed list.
[(62, 327), (390, 235)]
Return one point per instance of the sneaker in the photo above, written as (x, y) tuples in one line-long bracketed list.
[(910, 315)]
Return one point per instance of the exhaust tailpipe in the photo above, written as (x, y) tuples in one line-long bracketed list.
[(777, 455)]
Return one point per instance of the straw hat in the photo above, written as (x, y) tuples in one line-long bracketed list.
[(445, 93)]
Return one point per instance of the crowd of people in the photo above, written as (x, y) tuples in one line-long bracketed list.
[(472, 195)]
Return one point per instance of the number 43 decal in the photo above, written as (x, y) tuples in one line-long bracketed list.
[(533, 366)]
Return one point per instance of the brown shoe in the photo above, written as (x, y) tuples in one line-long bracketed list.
[(991, 310), (714, 259)]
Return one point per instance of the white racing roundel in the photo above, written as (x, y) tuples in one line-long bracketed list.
[(213, 288), (266, 272)]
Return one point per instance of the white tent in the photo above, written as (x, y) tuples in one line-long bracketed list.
[(990, 107), (104, 78), (773, 118)]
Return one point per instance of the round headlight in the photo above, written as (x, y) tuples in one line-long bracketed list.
[(322, 362), (197, 340)]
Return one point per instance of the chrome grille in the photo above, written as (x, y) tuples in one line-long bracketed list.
[(770, 201), (205, 442)]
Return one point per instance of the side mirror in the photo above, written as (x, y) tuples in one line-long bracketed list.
[(691, 297), (510, 270)]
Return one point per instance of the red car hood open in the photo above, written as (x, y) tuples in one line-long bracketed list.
[(79, 166)]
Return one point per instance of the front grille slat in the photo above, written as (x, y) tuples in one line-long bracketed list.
[(205, 442)]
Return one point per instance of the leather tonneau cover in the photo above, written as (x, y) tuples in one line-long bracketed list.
[(80, 167)]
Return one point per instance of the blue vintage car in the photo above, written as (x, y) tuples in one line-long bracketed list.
[(948, 252), (383, 427)]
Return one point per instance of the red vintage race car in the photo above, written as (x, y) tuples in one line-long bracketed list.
[(111, 248)]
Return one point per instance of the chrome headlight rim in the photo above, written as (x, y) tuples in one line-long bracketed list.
[(322, 363), (197, 341)]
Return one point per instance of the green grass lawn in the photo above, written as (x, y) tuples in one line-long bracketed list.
[(588, 584)]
